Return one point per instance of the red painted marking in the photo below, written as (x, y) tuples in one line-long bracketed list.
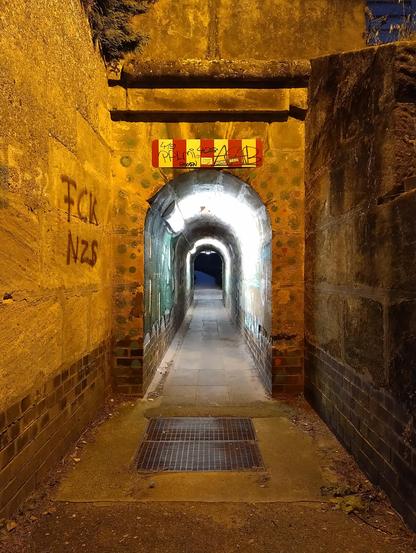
[(155, 153), (235, 153), (259, 153), (179, 152)]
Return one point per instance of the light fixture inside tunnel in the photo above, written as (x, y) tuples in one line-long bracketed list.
[(173, 218)]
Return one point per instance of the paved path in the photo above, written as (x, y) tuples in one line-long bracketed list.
[(210, 363)]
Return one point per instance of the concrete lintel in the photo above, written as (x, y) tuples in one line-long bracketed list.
[(206, 100), (193, 73), (201, 104)]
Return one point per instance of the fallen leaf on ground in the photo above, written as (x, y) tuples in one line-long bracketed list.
[(11, 525)]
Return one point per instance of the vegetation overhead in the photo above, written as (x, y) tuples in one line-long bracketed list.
[(111, 26)]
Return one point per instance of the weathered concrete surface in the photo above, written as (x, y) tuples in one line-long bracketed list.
[(227, 29), (202, 527), (144, 72), (178, 100), (105, 472), (208, 362), (361, 259), (55, 301)]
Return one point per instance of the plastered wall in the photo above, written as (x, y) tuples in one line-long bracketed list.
[(55, 267)]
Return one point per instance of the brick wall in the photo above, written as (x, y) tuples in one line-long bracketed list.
[(127, 369), (39, 428), (372, 424), (57, 258), (287, 369), (280, 364), (258, 342), (135, 361), (360, 297)]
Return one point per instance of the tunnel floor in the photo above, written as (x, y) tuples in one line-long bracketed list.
[(208, 362)]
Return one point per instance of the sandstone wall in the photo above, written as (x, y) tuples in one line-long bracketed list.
[(361, 260), (260, 29), (55, 206)]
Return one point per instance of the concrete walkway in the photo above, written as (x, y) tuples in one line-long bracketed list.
[(209, 363)]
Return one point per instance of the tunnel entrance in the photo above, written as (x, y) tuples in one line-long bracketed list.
[(208, 238)]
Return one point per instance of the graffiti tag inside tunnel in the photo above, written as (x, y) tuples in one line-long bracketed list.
[(207, 153)]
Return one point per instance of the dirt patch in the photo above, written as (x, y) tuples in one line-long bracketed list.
[(192, 528)]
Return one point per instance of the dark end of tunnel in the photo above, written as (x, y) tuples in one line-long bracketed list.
[(208, 267)]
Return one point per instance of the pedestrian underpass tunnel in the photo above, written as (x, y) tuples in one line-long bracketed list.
[(193, 217), (78, 177)]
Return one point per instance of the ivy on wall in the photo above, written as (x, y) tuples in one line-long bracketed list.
[(110, 22)]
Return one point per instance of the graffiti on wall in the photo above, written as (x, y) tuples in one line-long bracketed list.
[(207, 153), (80, 204)]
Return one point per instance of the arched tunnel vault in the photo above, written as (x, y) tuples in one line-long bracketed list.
[(186, 215)]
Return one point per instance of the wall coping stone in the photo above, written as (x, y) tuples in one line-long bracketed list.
[(196, 72)]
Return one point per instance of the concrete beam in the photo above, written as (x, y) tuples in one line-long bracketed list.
[(235, 73), (144, 104)]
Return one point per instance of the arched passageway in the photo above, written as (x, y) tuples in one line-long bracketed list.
[(214, 213)]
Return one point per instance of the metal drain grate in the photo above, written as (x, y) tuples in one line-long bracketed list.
[(200, 429), (199, 444)]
